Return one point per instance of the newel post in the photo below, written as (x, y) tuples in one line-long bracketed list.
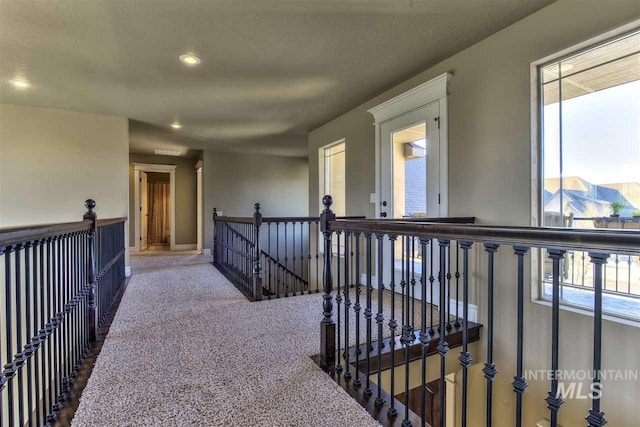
[(214, 250), (327, 326), (257, 267), (92, 323)]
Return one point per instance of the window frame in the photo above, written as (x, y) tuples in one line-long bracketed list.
[(537, 161), (322, 180)]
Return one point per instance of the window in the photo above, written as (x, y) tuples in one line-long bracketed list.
[(590, 133), (333, 179)]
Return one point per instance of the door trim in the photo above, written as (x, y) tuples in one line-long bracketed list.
[(199, 205), (148, 167), (418, 97)]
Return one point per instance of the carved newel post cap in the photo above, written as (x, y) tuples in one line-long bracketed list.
[(90, 204), (257, 206), (327, 201)]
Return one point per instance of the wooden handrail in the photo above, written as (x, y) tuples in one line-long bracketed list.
[(617, 241), (14, 235), (273, 219)]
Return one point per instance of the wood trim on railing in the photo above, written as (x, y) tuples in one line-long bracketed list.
[(609, 241), (273, 219), (12, 235)]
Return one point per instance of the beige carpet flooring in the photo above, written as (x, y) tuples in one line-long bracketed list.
[(187, 349)]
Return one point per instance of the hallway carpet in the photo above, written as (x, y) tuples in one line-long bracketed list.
[(187, 349)]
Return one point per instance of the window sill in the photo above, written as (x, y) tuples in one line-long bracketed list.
[(589, 313)]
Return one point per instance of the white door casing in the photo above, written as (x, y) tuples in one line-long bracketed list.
[(139, 168), (144, 211), (199, 206)]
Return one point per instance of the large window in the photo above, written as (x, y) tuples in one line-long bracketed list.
[(333, 176), (590, 117)]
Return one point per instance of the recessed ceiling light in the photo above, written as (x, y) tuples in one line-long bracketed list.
[(166, 152), (565, 66), (20, 84), (190, 59), (176, 125)]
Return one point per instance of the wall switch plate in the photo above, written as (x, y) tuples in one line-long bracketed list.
[(373, 197), (219, 213)]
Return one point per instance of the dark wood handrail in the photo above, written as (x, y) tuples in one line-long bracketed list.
[(617, 241), (14, 235), (273, 219)]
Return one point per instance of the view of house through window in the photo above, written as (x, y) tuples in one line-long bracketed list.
[(591, 163)]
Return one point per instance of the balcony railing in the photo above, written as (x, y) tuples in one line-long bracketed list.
[(58, 283), (407, 337)]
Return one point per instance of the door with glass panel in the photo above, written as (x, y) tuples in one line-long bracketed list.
[(410, 187)]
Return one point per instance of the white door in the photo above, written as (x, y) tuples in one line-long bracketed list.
[(410, 176), (144, 211)]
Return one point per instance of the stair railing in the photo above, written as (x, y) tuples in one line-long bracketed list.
[(432, 264)]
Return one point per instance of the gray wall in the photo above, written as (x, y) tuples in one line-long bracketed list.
[(186, 226), (490, 178), (233, 183)]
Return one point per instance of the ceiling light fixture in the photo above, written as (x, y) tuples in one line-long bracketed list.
[(176, 125), (189, 59), (166, 152), (20, 84)]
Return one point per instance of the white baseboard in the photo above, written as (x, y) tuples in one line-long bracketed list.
[(206, 251), (127, 271), (189, 247), (134, 249)]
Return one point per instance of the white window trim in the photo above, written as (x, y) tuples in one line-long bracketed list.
[(537, 162), (420, 96), (322, 180)]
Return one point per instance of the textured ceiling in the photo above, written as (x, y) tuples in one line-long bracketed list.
[(271, 69)]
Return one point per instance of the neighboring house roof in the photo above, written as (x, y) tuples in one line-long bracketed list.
[(595, 200)]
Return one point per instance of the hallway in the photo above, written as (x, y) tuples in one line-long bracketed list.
[(186, 348)]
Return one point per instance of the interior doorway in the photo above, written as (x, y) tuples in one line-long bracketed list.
[(155, 214), (155, 201)]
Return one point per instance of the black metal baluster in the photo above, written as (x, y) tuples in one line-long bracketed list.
[(367, 314), (413, 282), (380, 316), (268, 260), (393, 325), (293, 253), (402, 274), (357, 307), (489, 369), (432, 280), (596, 416), (449, 287), (27, 350), (278, 275), (42, 333), (465, 356), (309, 257), (347, 314), (457, 323), (554, 399), (317, 258), (425, 338), (301, 277), (338, 303), (407, 335), (19, 356), (10, 367), (519, 382), (443, 346)]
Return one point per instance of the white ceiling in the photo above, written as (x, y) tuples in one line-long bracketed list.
[(271, 69)]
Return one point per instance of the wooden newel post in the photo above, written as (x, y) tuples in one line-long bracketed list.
[(214, 250), (327, 326), (92, 323), (257, 267)]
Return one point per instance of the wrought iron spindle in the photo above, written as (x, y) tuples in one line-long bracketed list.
[(19, 356), (10, 367), (554, 399), (465, 356), (357, 307), (519, 382), (443, 346), (407, 334), (317, 258), (596, 416), (457, 323), (338, 302), (448, 286), (347, 314), (432, 280), (489, 369), (367, 315), (402, 276), (424, 334), (380, 316), (393, 325)]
